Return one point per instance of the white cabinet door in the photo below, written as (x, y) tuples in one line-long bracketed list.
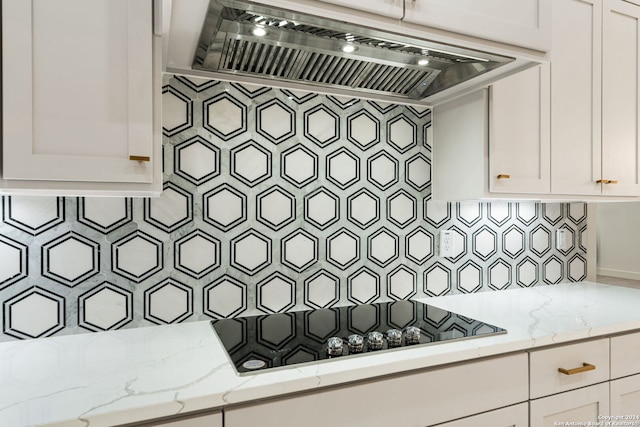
[(390, 8), (513, 416), (79, 87), (525, 23), (620, 95), (576, 100), (519, 141), (625, 398), (581, 405)]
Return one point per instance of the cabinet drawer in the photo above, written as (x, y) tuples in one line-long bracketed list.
[(544, 367), (625, 355), (419, 399)]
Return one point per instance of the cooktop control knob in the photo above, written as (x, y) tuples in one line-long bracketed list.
[(394, 338), (334, 346), (375, 340), (412, 335), (356, 343)]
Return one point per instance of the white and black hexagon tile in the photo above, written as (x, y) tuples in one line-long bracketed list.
[(273, 200)]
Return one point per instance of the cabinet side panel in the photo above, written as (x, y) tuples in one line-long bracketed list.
[(460, 148)]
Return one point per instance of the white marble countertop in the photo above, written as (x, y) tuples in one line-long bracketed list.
[(109, 378)]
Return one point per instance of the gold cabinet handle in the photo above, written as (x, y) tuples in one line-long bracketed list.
[(140, 158), (584, 368), (612, 181), (607, 181), (504, 176)]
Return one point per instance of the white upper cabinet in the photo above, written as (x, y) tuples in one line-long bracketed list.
[(390, 8), (81, 90), (595, 114), (620, 95), (495, 143), (519, 142), (523, 23), (576, 100)]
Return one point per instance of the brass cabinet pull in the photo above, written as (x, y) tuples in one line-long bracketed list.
[(140, 158), (612, 181), (607, 181), (585, 367), (504, 176)]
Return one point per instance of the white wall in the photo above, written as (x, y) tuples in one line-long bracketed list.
[(618, 240)]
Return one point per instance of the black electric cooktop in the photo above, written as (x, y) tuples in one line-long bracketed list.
[(270, 341)]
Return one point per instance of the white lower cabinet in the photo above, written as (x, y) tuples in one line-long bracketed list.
[(601, 378), (569, 383), (625, 398), (625, 375), (415, 399), (512, 416), (581, 405)]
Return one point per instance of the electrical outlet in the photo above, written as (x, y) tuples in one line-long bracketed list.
[(447, 243)]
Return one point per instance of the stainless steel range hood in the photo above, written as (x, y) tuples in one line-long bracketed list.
[(247, 39)]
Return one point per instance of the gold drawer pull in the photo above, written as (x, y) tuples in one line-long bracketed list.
[(140, 158), (504, 176), (612, 181), (602, 181), (585, 367)]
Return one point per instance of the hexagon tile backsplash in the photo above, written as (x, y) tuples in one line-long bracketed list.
[(273, 201)]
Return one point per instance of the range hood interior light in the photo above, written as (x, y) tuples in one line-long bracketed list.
[(259, 31), (423, 62), (348, 48)]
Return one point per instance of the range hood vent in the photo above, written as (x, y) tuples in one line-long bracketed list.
[(246, 39)]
